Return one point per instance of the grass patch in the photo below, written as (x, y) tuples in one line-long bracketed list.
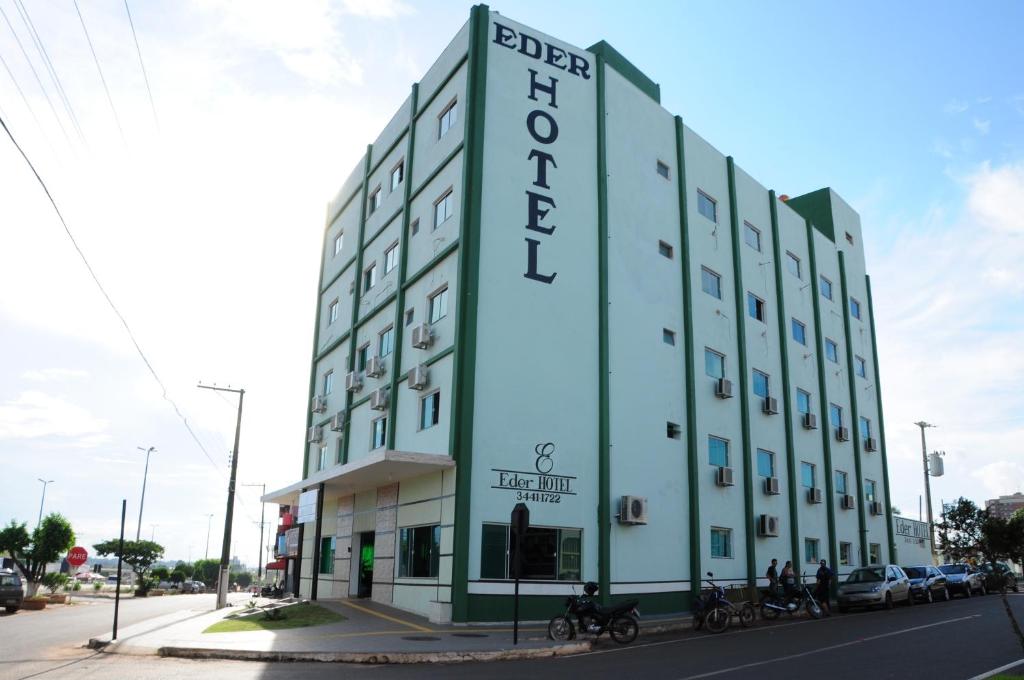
[(297, 616)]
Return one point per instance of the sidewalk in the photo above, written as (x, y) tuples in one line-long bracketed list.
[(370, 633)]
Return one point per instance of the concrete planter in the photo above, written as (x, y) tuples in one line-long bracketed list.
[(34, 604), (57, 599), (156, 592)]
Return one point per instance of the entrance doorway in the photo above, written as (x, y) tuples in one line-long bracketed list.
[(365, 582)]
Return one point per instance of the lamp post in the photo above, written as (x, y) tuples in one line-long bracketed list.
[(263, 508), (152, 531), (43, 499), (145, 474), (927, 485), (209, 520)]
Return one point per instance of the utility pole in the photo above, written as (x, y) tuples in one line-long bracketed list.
[(43, 499), (927, 485), (263, 508), (209, 521), (152, 532), (225, 553), (145, 474)]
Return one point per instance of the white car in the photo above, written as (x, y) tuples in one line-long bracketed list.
[(875, 585)]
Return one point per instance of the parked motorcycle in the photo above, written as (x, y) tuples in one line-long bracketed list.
[(622, 621), (714, 609), (773, 604)]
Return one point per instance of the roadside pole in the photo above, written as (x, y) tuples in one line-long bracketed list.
[(520, 522), (120, 553)]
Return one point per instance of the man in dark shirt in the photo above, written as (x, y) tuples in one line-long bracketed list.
[(773, 577), (821, 590)]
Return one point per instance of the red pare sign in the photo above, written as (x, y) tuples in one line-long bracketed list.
[(77, 556)]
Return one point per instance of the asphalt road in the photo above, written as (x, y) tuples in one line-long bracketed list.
[(956, 640)]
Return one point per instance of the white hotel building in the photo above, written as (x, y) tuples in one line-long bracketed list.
[(539, 285)]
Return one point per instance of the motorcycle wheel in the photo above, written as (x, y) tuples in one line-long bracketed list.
[(560, 628), (717, 620), (747, 615), (813, 609), (768, 613), (624, 629)]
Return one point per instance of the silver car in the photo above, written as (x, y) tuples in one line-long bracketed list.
[(875, 585), (963, 579)]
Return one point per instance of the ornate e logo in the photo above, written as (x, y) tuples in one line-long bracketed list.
[(544, 464)]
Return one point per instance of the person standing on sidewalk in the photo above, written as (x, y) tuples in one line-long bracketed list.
[(773, 577), (823, 587)]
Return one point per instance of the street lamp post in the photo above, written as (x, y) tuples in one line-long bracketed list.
[(43, 499), (927, 485), (145, 474), (209, 520), (263, 508), (152, 532)]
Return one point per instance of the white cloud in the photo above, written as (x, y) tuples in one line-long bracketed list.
[(1001, 478), (376, 9), (956, 106), (997, 197), (982, 125), (54, 374), (34, 414)]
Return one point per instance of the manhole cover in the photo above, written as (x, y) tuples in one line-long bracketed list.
[(470, 635), (421, 638)]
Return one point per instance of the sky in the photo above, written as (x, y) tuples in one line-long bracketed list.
[(201, 212)]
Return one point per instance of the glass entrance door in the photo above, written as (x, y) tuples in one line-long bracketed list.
[(366, 539)]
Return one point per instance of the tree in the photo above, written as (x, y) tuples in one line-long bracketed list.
[(960, 530), (206, 571), (48, 541), (139, 555), (242, 578), (54, 580), (184, 568), (1003, 539), (161, 573)]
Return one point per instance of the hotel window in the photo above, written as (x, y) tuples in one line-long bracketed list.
[(711, 283), (438, 306), (446, 121), (841, 483), (375, 200), (328, 382), (854, 308), (664, 249), (362, 355), (865, 428), (835, 415), (849, 238), (811, 550), (874, 553), (831, 351), (673, 430), (793, 265), (765, 463), (714, 363), (321, 460), (799, 331), (419, 551), (668, 337), (869, 491), (370, 277), (663, 170), (549, 554), (415, 227), (339, 241), (721, 543), (761, 384), (390, 258), (718, 451), (808, 475), (755, 307), (706, 206), (333, 314), (397, 175), (803, 401), (327, 546), (860, 366), (386, 342), (379, 433), (410, 314), (845, 553), (826, 288), (443, 209), (430, 410), (752, 235)]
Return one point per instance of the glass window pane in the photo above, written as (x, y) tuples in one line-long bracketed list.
[(706, 206), (752, 236), (760, 384), (711, 283), (540, 554), (840, 483), (793, 264), (803, 401), (799, 332), (570, 554), (493, 552), (835, 415), (765, 463), (807, 475), (865, 428), (714, 364), (718, 452)]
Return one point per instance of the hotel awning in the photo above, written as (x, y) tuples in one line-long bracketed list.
[(276, 565), (380, 468)]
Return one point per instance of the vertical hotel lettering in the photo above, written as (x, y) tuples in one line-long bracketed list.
[(543, 128)]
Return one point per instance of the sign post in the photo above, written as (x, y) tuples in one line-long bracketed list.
[(77, 556), (120, 553), (520, 523)]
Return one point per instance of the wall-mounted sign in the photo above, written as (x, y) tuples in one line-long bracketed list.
[(540, 484), (307, 506), (291, 542), (910, 528)]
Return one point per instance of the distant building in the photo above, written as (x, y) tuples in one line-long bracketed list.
[(1004, 506)]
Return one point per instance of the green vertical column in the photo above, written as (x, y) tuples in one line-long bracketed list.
[(312, 366), (604, 517), (741, 339), (464, 377), (403, 264), (692, 466), (826, 426), (881, 426), (854, 413), (357, 290), (787, 386)]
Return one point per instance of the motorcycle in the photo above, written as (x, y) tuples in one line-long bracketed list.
[(773, 604), (716, 611), (622, 621)]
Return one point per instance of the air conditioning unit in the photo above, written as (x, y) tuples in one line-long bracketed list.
[(319, 404), (353, 381), (379, 399), (633, 510), (842, 434), (724, 476), (876, 507), (375, 367), (870, 444), (315, 435), (723, 388), (771, 486), (810, 421), (768, 525), (338, 421), (814, 495), (770, 406), (422, 336), (848, 502), (419, 377)]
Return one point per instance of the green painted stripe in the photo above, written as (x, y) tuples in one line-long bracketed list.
[(430, 362), (429, 266), (387, 223), (341, 271), (787, 385), (854, 411), (692, 464), (881, 425), (387, 152), (312, 367), (825, 425), (437, 171), (604, 518), (403, 264), (337, 213), (330, 348), (464, 376), (369, 316), (451, 74), (741, 339)]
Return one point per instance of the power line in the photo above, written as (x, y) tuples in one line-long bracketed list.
[(96, 61), (23, 97), (145, 77)]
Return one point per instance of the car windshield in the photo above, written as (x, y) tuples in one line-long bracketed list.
[(916, 572), (953, 569), (9, 580), (867, 575)]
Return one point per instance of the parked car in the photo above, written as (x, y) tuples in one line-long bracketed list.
[(963, 579), (927, 583), (875, 585), (193, 587), (12, 592), (999, 577)]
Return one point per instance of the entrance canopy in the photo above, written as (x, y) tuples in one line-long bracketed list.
[(380, 468)]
